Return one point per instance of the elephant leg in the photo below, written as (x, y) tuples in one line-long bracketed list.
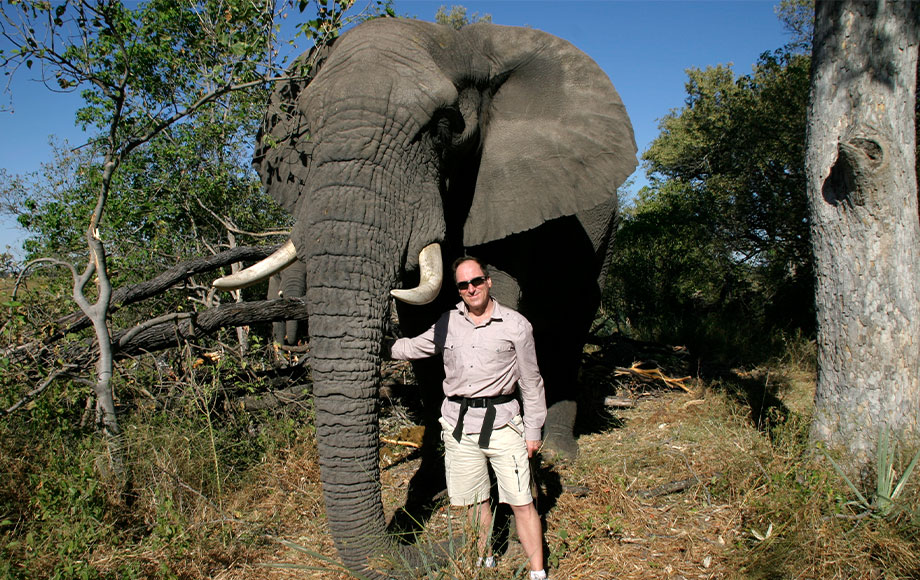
[(561, 351), (274, 291), (293, 285), (558, 432)]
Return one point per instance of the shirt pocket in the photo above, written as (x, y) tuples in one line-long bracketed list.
[(451, 352), (495, 356)]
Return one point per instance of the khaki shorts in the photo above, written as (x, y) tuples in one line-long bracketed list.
[(467, 465)]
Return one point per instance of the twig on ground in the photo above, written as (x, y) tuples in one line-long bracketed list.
[(619, 402), (402, 443)]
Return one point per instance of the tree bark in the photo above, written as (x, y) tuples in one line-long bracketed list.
[(171, 330), (171, 333), (862, 193)]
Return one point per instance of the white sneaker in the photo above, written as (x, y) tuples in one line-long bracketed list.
[(487, 562)]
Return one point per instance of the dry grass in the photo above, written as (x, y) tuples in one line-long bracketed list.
[(751, 502)]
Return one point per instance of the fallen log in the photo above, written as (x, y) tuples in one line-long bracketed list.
[(127, 295), (172, 330)]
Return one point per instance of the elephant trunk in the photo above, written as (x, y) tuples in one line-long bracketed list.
[(347, 294), (344, 347)]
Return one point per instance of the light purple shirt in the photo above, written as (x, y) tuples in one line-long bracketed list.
[(484, 360)]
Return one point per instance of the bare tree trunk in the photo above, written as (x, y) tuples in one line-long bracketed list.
[(862, 193), (98, 313)]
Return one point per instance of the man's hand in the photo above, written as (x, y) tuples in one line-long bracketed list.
[(533, 447), (386, 347)]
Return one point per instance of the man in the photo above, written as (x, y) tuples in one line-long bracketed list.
[(488, 352)]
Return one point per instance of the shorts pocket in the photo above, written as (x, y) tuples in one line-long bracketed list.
[(517, 424)]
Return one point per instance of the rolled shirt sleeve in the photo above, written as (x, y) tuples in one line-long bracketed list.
[(421, 346)]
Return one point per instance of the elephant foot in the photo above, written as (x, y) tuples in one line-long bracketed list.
[(558, 437)]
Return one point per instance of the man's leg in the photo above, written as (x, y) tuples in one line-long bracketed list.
[(530, 532), (468, 483), (508, 454)]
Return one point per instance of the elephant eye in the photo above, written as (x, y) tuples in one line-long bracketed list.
[(446, 123)]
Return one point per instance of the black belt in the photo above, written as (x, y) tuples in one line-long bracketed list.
[(487, 403)]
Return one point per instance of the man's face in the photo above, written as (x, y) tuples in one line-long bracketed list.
[(475, 297)]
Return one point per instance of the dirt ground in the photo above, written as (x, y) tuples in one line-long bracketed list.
[(647, 498)]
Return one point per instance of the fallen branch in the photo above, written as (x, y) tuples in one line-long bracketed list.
[(36, 391), (619, 402), (412, 444), (652, 375), (131, 294), (172, 330), (672, 487)]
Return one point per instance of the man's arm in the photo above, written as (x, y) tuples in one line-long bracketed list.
[(421, 346), (531, 386)]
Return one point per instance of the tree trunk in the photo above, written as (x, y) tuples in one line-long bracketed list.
[(862, 193)]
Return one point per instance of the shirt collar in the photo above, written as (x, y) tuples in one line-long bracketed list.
[(496, 309)]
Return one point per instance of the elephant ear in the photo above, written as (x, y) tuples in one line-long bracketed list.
[(283, 149), (556, 136)]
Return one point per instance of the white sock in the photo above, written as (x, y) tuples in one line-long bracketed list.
[(487, 562), (538, 575)]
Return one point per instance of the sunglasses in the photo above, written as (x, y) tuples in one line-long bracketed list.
[(476, 282)]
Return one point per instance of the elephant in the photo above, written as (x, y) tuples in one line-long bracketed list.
[(292, 283), (406, 145)]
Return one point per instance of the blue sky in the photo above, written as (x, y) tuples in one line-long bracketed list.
[(645, 47)]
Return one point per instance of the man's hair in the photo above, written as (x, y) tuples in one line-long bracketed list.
[(460, 260)]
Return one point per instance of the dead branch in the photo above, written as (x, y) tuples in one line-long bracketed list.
[(652, 375), (172, 330), (125, 338), (672, 487), (619, 402), (36, 391), (132, 294), (401, 443)]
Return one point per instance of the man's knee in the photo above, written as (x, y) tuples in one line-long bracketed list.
[(527, 509)]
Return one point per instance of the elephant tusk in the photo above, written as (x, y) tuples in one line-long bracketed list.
[(432, 273), (280, 259)]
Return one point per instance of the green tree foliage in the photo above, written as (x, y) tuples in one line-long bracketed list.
[(798, 17), (715, 253), (166, 88), (168, 68), (456, 17)]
